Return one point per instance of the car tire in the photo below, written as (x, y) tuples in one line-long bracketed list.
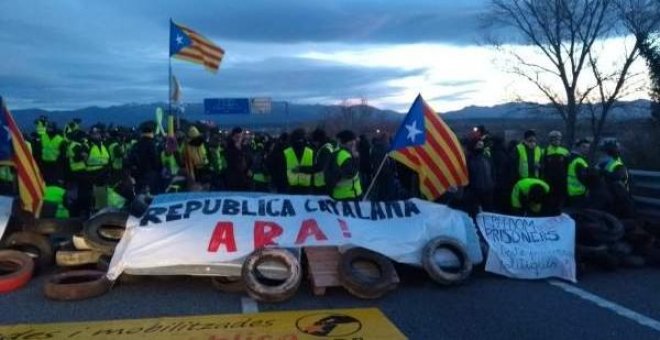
[(35, 245), (362, 285), (254, 283), (17, 268), (75, 258), (80, 243), (437, 273), (60, 226), (95, 237), (76, 285)]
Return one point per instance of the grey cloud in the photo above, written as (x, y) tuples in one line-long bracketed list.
[(292, 79), (68, 54), (453, 96)]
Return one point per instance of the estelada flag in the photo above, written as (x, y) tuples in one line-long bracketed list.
[(14, 151), (427, 145), (189, 45)]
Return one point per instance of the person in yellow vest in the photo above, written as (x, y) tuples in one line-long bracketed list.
[(97, 171), (577, 175), (195, 157), (76, 156), (259, 170), (529, 197), (615, 174), (53, 149), (298, 161), (40, 125), (554, 165), (171, 162), (118, 149), (217, 161), (7, 180), (322, 157), (71, 127), (612, 167), (55, 202), (342, 174), (527, 156)]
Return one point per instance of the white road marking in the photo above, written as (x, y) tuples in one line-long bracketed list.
[(614, 307), (248, 305)]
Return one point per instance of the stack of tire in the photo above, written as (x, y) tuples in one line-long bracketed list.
[(81, 251), (89, 259), (604, 241), (27, 249)]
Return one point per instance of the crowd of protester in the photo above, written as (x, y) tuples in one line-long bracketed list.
[(86, 170)]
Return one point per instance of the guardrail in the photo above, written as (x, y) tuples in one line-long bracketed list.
[(645, 188)]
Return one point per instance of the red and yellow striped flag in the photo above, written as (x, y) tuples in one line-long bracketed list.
[(189, 45), (427, 145), (31, 185)]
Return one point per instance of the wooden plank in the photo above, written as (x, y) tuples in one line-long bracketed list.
[(322, 264)]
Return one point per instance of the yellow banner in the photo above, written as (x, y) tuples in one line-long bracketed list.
[(337, 324)]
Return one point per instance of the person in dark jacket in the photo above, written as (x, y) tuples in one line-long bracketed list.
[(502, 175), (385, 186), (555, 166), (364, 151), (145, 162), (238, 174), (479, 193), (275, 163), (323, 149)]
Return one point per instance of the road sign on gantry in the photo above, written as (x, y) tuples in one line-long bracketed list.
[(222, 106)]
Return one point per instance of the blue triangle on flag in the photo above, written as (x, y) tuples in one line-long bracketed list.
[(412, 131), (178, 39)]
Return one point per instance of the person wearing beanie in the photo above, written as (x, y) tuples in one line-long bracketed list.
[(611, 166), (616, 178), (323, 149), (53, 149), (299, 162), (577, 174), (144, 161), (276, 164), (554, 164), (238, 163), (527, 156), (479, 192), (195, 156), (342, 175)]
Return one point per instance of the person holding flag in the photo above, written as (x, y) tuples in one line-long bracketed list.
[(425, 144)]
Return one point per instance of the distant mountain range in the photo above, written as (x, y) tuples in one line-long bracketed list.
[(298, 114)]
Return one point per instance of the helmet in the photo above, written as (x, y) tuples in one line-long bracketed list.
[(554, 134)]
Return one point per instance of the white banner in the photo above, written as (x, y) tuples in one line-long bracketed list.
[(529, 248), (5, 212), (202, 229)]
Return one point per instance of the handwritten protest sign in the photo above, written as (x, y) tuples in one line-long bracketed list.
[(529, 248), (204, 229)]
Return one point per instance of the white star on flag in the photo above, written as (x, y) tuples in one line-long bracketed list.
[(179, 39), (412, 131)]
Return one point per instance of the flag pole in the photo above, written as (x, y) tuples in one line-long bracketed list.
[(169, 82), (373, 180)]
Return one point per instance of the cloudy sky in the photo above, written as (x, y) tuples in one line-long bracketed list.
[(74, 53)]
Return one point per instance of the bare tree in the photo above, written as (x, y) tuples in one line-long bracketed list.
[(565, 33)]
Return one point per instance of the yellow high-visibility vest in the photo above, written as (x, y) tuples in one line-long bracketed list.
[(523, 163), (348, 188), (292, 162)]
